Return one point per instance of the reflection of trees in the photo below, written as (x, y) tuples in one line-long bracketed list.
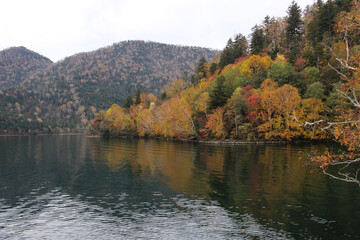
[(271, 182), (172, 163)]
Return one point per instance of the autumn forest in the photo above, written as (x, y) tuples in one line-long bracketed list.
[(294, 71)]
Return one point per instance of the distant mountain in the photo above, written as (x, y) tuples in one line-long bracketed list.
[(18, 63), (68, 93)]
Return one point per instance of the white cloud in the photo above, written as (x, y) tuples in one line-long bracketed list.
[(58, 29)]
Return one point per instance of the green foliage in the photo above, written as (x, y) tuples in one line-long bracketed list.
[(213, 68), (315, 90), (233, 50), (137, 97), (218, 95), (282, 73), (258, 40), (293, 31), (201, 70), (128, 102)]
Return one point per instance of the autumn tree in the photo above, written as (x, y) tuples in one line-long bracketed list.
[(202, 103), (312, 110), (237, 108), (175, 119), (216, 125), (346, 130)]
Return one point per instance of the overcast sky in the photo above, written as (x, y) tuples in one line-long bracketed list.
[(60, 28)]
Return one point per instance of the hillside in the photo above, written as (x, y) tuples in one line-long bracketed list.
[(70, 92), (18, 63)]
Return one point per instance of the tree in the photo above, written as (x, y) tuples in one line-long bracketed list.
[(269, 100), (201, 71), (238, 108), (217, 93), (202, 103), (213, 68), (137, 96), (258, 40), (233, 50), (175, 119), (128, 101), (145, 121), (293, 31), (216, 124), (315, 90), (311, 111), (347, 129)]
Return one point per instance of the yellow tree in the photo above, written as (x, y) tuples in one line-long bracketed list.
[(175, 87), (311, 111), (216, 124), (202, 103), (174, 119), (278, 108), (269, 101), (145, 123), (255, 64)]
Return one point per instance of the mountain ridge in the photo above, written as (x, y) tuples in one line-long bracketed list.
[(19, 63), (69, 92)]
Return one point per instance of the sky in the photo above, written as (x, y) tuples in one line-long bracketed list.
[(60, 28)]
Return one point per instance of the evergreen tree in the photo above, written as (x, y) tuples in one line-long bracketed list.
[(227, 54), (293, 31), (239, 47), (258, 40), (213, 68), (137, 96), (233, 50), (217, 94), (128, 102), (327, 14), (201, 71)]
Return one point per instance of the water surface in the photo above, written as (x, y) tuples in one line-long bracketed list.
[(76, 187)]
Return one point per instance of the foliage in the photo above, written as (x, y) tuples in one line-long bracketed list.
[(18, 63), (71, 91)]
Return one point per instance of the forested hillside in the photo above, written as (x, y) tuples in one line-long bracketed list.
[(298, 78), (70, 92), (18, 63), (291, 71)]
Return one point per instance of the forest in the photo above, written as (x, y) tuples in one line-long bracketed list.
[(287, 74), (297, 78), (65, 96)]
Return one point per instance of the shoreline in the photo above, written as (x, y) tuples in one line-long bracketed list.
[(220, 142), (202, 141)]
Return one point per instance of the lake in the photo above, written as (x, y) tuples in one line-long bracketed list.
[(78, 187)]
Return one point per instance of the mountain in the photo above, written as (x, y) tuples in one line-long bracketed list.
[(18, 63), (70, 92)]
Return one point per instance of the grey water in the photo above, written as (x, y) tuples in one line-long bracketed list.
[(78, 187)]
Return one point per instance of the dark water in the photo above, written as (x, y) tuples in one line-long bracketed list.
[(75, 187)]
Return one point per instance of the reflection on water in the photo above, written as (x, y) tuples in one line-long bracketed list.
[(75, 187)]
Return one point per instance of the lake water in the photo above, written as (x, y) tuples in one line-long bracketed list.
[(77, 187)]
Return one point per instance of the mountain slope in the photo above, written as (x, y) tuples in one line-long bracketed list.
[(68, 93), (18, 63)]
